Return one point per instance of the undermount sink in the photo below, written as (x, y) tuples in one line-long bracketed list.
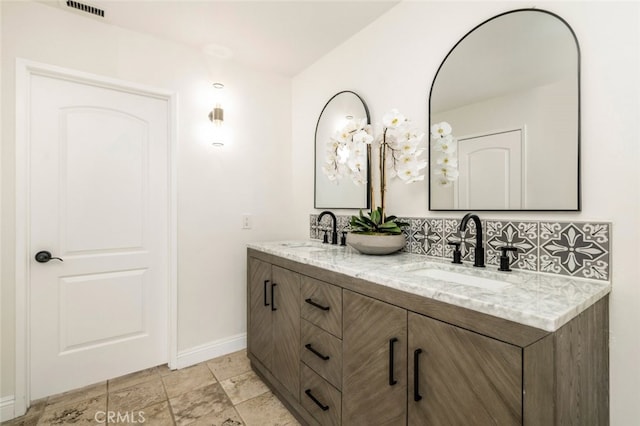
[(460, 278), (307, 246)]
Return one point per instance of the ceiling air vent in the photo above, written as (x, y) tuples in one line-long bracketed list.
[(85, 8)]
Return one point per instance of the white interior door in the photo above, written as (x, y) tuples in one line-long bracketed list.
[(490, 168), (98, 199)]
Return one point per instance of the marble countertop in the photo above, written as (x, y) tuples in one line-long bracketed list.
[(539, 300)]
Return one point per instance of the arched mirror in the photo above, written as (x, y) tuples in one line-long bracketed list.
[(507, 99), (338, 193)]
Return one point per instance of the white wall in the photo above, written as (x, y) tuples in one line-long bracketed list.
[(215, 185), (392, 63)]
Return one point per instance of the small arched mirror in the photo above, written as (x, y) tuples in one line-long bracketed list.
[(341, 193), (508, 94)]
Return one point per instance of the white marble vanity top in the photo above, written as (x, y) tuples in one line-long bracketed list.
[(539, 300)]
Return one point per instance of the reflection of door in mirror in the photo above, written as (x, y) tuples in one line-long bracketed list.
[(339, 193), (520, 68), (490, 168)]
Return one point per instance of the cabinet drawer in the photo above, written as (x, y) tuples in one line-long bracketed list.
[(322, 352), (322, 305), (319, 398)]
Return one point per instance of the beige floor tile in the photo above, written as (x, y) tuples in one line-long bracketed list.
[(209, 401), (80, 394), (230, 365), (228, 417), (157, 415), (129, 380), (163, 370), (187, 379), (265, 410), (79, 412), (137, 396), (243, 387)]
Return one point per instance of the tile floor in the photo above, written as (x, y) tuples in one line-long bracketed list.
[(222, 391)]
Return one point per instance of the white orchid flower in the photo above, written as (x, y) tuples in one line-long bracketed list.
[(447, 171), (393, 119), (361, 136), (447, 160), (440, 130), (446, 144)]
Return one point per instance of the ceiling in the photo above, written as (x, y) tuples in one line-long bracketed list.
[(280, 36)]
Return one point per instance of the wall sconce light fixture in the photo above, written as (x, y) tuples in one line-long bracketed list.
[(217, 118)]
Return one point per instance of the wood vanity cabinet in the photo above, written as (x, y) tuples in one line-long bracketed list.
[(454, 376), (460, 377), (374, 361), (394, 358), (274, 321)]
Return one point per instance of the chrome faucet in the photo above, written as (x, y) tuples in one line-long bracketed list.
[(334, 232), (479, 250)]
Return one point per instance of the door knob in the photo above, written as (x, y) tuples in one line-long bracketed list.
[(45, 256)]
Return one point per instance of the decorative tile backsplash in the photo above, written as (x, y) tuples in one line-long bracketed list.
[(578, 249)]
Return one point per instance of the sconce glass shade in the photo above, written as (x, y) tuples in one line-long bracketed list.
[(216, 116)]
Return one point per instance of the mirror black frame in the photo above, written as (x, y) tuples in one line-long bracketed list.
[(315, 158), (579, 171)]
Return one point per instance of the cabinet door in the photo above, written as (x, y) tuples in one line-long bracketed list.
[(286, 329), (374, 387), (463, 378), (260, 332)]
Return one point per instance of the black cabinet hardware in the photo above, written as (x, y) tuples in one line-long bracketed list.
[(392, 380), (318, 403), (311, 302), (273, 300), (416, 375), (266, 282), (318, 354)]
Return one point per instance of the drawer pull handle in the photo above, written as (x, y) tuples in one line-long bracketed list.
[(311, 302), (273, 300), (392, 380), (416, 375), (266, 282), (318, 403), (318, 354)]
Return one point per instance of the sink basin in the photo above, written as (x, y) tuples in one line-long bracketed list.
[(306, 246), (459, 278)]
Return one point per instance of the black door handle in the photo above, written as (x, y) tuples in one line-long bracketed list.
[(273, 300), (416, 375), (264, 289), (392, 380), (45, 256)]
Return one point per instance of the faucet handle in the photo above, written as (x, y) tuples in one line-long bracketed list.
[(457, 254), (325, 238), (504, 258)]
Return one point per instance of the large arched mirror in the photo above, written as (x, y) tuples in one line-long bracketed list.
[(508, 94), (342, 193)]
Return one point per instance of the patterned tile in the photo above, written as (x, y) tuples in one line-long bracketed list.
[(414, 234), (576, 249), (568, 248), (434, 241), (521, 235)]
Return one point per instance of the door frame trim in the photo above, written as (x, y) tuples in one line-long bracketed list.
[(24, 70)]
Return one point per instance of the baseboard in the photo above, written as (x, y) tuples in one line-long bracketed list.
[(7, 408), (211, 350)]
